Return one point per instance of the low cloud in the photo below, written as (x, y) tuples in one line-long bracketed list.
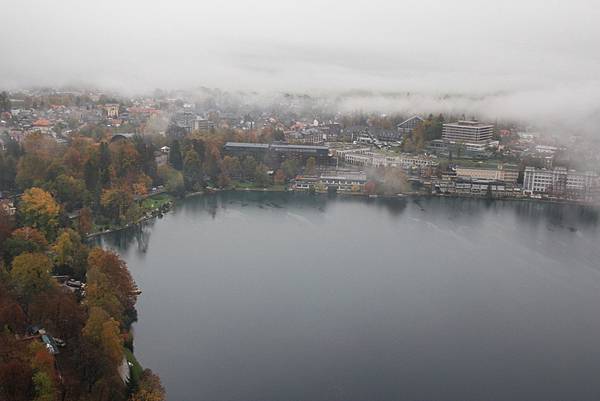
[(527, 60)]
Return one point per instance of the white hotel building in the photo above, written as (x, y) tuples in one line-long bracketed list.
[(559, 182)]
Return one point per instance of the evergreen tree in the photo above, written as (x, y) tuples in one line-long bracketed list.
[(175, 158), (261, 176), (104, 165), (249, 167), (91, 174), (192, 171), (8, 172)]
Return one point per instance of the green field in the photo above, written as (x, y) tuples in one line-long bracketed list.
[(156, 201), (136, 369)]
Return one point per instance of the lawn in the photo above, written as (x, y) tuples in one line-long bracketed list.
[(156, 201), (250, 185), (136, 369)]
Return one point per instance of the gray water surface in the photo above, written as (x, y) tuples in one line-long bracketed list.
[(273, 297)]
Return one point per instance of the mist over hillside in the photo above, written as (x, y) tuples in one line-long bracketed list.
[(529, 61)]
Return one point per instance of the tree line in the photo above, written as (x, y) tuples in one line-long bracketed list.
[(100, 181), (35, 245)]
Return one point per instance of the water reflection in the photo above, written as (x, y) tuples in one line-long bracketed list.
[(536, 214), (137, 236), (278, 296)]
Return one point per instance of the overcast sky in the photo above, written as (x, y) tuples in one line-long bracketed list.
[(527, 51)]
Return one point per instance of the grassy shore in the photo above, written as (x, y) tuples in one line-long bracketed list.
[(135, 370)]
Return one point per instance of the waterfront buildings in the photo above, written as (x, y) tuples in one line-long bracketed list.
[(476, 187), (345, 182), (504, 173), (467, 131), (339, 181), (560, 182)]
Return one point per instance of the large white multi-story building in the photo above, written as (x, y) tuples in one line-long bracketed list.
[(467, 131), (560, 182), (366, 157)]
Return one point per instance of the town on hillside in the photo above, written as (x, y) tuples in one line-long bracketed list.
[(180, 142)]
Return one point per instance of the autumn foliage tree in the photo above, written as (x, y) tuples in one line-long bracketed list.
[(102, 354), (103, 330), (24, 239), (150, 388), (30, 275), (16, 374), (85, 223), (33, 166), (311, 166), (44, 376), (118, 205), (38, 209), (12, 316), (110, 285), (70, 254), (6, 225), (104, 182)]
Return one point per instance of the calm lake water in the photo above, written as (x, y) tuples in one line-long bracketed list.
[(283, 297)]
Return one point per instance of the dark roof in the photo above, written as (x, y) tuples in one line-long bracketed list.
[(246, 145), (311, 147)]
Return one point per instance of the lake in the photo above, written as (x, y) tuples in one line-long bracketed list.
[(276, 296)]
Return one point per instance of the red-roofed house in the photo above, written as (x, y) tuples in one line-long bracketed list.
[(42, 125)]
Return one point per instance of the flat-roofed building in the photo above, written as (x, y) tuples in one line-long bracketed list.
[(301, 152), (346, 181), (501, 173), (467, 131), (202, 124), (560, 182), (241, 149)]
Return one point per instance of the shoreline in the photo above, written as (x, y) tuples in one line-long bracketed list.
[(130, 358), (348, 195)]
